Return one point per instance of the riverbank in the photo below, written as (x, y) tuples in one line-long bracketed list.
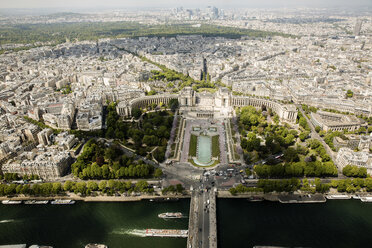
[(101, 198), (252, 196), (289, 197)]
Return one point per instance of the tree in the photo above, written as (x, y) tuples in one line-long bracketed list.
[(100, 160), (56, 188), (110, 133), (362, 130), (136, 113), (111, 184), (68, 186), (370, 129), (303, 122), (112, 152), (151, 92), (92, 186), (368, 183), (317, 129), (158, 173), (102, 185), (303, 135), (179, 188), (159, 154), (173, 104), (141, 186), (349, 94), (354, 171), (81, 188), (105, 171), (291, 155)]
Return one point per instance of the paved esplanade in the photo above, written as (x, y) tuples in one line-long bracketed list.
[(202, 219)]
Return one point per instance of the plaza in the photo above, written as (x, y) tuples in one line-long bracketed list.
[(205, 129)]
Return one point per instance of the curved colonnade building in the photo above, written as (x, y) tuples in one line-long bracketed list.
[(208, 105)]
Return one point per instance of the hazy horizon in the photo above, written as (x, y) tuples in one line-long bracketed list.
[(141, 4)]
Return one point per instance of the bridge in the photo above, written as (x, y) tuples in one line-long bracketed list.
[(202, 219)]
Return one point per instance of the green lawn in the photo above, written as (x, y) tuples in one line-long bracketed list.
[(193, 144), (215, 146)]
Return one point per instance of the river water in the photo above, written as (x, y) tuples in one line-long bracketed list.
[(337, 223), (74, 226)]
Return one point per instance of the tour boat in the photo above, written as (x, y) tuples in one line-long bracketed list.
[(338, 197), (170, 215), (63, 202), (9, 202), (96, 246), (366, 199), (32, 202)]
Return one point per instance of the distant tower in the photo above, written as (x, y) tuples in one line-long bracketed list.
[(212, 12), (222, 14), (358, 27)]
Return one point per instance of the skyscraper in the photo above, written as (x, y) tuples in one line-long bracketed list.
[(212, 12), (358, 27)]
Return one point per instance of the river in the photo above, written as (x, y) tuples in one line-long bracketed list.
[(336, 223), (74, 226)]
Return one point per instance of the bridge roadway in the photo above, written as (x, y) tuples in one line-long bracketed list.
[(202, 219)]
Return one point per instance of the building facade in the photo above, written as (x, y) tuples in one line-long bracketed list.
[(48, 165), (346, 156), (209, 105), (335, 122)]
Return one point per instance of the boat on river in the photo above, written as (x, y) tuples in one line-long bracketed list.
[(255, 198), (96, 246), (62, 202), (161, 199), (338, 197), (10, 202), (35, 202), (166, 233), (366, 199), (170, 215)]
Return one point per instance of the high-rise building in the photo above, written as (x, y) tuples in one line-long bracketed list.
[(212, 12), (358, 27)]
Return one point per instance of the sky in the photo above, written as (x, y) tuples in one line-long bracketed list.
[(91, 4)]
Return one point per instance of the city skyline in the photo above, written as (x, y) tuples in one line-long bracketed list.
[(202, 100), (85, 4)]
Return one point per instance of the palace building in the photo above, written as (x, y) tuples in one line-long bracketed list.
[(209, 105)]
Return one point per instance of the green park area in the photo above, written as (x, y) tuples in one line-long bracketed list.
[(215, 146), (300, 156), (60, 32), (193, 145), (149, 134), (100, 162)]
